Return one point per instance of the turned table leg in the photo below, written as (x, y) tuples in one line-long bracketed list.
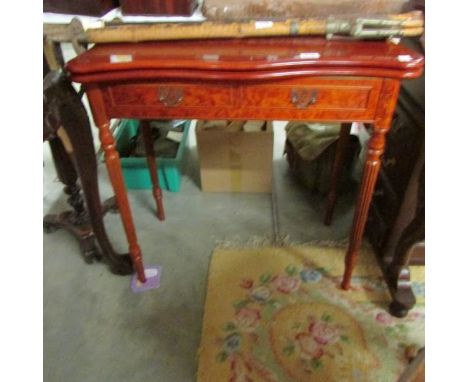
[(375, 149), (337, 170), (114, 169), (153, 167)]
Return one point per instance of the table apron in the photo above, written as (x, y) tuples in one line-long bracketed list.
[(318, 99)]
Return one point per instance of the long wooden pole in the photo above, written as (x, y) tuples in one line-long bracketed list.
[(410, 24)]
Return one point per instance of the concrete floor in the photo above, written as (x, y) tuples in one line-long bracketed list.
[(97, 329)]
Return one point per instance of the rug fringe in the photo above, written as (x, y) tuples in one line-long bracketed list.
[(283, 241)]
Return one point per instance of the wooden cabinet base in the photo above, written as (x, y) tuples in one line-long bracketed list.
[(81, 230)]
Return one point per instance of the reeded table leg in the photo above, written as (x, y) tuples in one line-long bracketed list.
[(336, 172), (153, 167), (115, 174), (376, 146), (369, 178)]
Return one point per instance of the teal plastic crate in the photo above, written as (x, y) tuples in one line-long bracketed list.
[(135, 170)]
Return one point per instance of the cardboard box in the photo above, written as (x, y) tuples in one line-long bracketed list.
[(234, 160)]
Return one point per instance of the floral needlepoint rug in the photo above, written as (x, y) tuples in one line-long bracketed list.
[(278, 314)]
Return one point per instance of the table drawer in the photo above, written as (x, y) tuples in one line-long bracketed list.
[(312, 98), (169, 95), (319, 94)]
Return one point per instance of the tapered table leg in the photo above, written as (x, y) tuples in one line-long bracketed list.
[(369, 178), (376, 146), (114, 169), (336, 171), (153, 167)]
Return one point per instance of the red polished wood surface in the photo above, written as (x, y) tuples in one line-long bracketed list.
[(344, 99), (245, 59), (111, 157), (375, 149)]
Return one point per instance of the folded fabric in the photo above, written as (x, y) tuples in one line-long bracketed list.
[(311, 139)]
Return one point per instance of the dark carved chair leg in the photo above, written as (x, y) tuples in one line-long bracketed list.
[(110, 205), (75, 221), (398, 309), (399, 281), (62, 99), (404, 236), (152, 167)]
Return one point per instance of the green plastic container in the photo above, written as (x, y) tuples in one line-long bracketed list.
[(135, 170)]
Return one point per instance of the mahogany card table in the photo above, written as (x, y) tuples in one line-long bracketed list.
[(287, 78)]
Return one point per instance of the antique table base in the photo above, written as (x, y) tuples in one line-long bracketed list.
[(75, 221), (266, 78), (63, 107)]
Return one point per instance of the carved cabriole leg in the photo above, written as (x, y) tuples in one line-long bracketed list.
[(376, 146), (336, 172), (114, 169), (153, 167)]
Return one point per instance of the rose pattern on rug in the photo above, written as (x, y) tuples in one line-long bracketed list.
[(317, 338), (262, 298), (318, 341), (288, 321)]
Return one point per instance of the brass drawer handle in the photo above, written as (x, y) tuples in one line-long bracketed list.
[(170, 96), (302, 98)]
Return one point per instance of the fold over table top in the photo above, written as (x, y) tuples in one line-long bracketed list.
[(245, 59)]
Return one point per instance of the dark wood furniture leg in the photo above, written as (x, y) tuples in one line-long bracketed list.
[(396, 267), (75, 221), (114, 169), (415, 371), (337, 170), (398, 273), (152, 167), (386, 105), (65, 105), (412, 203)]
